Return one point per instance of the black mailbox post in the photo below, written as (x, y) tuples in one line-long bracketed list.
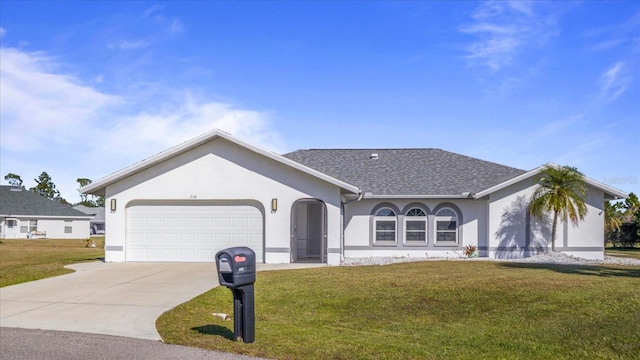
[(237, 271)]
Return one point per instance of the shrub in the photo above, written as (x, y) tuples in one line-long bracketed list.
[(470, 251), (625, 236)]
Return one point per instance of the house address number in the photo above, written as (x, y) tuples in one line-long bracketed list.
[(193, 196)]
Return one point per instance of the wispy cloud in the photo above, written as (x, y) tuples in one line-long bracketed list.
[(505, 29), (155, 13), (620, 34), (176, 27), (146, 132), (143, 30), (43, 109), (614, 81), (46, 105), (2, 32), (128, 44)]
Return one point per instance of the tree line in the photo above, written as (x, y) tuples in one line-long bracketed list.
[(46, 187), (622, 222)]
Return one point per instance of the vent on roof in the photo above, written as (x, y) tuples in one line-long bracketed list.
[(16, 188), (373, 156)]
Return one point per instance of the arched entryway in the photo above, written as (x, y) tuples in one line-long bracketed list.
[(309, 231)]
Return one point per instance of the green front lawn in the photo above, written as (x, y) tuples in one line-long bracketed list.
[(427, 310), (28, 260)]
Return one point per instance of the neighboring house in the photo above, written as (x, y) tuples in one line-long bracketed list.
[(216, 191), (97, 224), (27, 215)]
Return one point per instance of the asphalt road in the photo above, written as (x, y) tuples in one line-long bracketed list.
[(31, 344)]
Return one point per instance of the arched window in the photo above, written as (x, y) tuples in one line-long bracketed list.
[(384, 223), (415, 224), (446, 226)]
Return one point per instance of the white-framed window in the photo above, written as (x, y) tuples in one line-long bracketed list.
[(415, 225), (384, 224), (446, 226), (28, 226), (68, 227)]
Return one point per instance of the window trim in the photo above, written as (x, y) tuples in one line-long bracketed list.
[(449, 218), (31, 226), (68, 226), (422, 218), (393, 218)]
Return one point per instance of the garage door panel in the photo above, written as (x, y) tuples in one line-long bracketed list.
[(205, 238), (152, 222), (169, 253), (152, 238), (186, 254), (152, 253), (202, 222), (222, 222), (187, 239), (222, 238), (191, 232), (187, 222), (255, 223), (170, 239)]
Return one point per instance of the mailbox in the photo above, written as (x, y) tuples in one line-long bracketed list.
[(236, 266), (237, 271)]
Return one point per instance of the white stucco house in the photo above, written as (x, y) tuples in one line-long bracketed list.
[(216, 191), (27, 215), (96, 224)]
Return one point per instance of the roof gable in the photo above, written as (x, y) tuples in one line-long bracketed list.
[(407, 172), (17, 201), (98, 187), (610, 192)]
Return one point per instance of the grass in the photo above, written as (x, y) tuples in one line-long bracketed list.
[(28, 260), (623, 252), (426, 310)]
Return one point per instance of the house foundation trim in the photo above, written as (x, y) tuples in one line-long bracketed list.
[(566, 248), (277, 250)]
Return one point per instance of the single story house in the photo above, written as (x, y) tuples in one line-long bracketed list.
[(216, 191), (97, 224), (27, 215)]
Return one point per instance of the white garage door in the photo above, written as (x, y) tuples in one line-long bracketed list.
[(191, 231)]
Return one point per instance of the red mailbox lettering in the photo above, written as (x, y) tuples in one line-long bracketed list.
[(239, 258)]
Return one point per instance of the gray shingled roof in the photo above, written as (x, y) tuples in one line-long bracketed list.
[(16, 201), (98, 212), (432, 172)]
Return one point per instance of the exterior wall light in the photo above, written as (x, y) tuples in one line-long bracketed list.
[(274, 205), (113, 205)]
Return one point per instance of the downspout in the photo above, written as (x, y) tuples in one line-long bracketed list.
[(342, 211)]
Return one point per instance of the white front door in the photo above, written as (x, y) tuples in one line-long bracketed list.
[(10, 228)]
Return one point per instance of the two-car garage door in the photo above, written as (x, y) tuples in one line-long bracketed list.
[(191, 231)]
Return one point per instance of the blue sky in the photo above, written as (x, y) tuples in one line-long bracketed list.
[(88, 88)]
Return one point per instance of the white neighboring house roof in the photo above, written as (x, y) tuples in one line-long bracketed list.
[(610, 192), (98, 187)]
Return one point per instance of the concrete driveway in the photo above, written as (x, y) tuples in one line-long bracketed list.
[(122, 299)]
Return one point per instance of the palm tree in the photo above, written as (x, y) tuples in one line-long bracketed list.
[(612, 217), (561, 191)]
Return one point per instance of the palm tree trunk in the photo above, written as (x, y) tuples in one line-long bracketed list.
[(553, 231)]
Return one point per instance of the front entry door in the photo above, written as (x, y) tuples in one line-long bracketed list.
[(11, 228), (308, 231)]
